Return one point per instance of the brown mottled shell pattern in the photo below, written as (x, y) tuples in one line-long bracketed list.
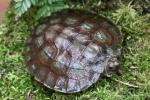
[(69, 51)]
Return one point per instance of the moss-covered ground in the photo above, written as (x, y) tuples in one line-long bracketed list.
[(132, 84)]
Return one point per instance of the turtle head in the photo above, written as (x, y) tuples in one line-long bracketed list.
[(112, 65)]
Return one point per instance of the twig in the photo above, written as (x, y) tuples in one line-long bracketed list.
[(127, 84)]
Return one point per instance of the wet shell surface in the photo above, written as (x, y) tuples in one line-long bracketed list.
[(70, 50)]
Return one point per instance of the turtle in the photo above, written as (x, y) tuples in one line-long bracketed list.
[(70, 50)]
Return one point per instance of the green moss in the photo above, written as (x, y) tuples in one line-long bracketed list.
[(15, 82)]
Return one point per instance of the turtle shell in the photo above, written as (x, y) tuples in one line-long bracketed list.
[(69, 50)]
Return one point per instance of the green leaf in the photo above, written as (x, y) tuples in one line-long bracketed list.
[(46, 7), (34, 2), (28, 3), (22, 6), (18, 0), (18, 5)]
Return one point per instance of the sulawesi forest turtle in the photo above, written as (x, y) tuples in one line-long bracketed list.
[(71, 49)]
